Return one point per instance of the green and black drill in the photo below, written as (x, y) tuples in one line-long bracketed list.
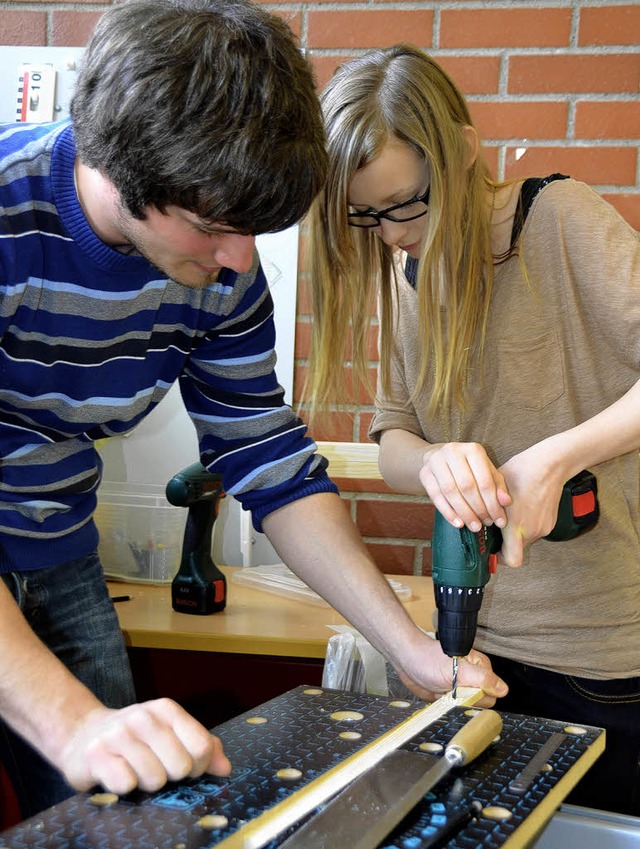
[(463, 562)]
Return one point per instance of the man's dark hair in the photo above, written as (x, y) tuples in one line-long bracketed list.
[(203, 104)]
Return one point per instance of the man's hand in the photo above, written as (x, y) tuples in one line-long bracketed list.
[(433, 678), (144, 745)]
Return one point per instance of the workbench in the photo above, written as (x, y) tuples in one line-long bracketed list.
[(262, 645), (284, 749), (259, 647), (255, 622), (220, 665)]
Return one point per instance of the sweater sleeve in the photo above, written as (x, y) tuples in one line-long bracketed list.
[(245, 430)]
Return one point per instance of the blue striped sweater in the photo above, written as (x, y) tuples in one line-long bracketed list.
[(92, 340)]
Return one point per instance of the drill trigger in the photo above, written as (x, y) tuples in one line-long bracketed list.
[(493, 563)]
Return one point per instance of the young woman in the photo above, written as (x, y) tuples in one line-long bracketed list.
[(509, 328)]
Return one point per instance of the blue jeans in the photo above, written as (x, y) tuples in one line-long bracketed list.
[(69, 608), (613, 782)]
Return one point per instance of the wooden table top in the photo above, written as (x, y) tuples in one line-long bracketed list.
[(254, 621)]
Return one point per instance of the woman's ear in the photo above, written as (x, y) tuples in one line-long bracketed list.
[(473, 145)]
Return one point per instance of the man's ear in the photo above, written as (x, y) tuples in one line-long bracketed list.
[(473, 145)]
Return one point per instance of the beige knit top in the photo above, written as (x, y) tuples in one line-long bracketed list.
[(561, 347)]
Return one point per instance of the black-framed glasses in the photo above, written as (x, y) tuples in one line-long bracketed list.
[(407, 211)]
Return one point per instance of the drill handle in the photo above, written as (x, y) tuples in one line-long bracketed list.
[(198, 530), (579, 509), (192, 484), (462, 558), (198, 586)]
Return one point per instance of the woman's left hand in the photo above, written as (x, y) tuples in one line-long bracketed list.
[(535, 488), (432, 676)]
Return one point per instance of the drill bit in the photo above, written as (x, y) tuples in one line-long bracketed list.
[(454, 679)]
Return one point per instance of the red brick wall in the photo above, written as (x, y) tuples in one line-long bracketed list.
[(552, 87)]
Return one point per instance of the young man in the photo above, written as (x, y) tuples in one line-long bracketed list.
[(127, 261)]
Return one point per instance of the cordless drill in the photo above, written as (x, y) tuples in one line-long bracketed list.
[(199, 586), (463, 562)]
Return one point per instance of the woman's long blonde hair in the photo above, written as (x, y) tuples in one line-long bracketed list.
[(401, 93)]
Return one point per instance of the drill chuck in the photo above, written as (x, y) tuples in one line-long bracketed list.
[(457, 618), (462, 562)]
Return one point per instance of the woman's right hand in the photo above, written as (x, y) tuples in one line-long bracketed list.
[(464, 485)]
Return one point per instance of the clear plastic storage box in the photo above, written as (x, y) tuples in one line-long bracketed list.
[(141, 534)]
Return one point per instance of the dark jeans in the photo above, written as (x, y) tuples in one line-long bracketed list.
[(69, 608), (613, 782)]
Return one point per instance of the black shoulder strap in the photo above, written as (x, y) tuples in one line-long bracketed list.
[(411, 270), (528, 192)]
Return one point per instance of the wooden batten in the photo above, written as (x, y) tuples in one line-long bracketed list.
[(351, 459)]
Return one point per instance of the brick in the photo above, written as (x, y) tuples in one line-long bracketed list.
[(72, 29), (27, 28), (368, 28), (303, 295), (545, 27), (395, 519), (299, 375), (294, 19), (303, 340), (392, 559), (609, 25), (372, 343), (360, 485), (473, 74), (324, 67), (365, 422), (427, 557), (615, 166), (362, 397), (490, 156), (575, 73), (607, 120), (628, 205), (333, 427), (500, 120)]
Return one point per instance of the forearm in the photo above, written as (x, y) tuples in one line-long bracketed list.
[(400, 459), (611, 433), (142, 745), (317, 539), (39, 698)]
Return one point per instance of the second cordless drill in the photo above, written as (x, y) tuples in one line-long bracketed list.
[(199, 586), (463, 562)]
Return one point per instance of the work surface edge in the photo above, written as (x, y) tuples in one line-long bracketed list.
[(253, 622)]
